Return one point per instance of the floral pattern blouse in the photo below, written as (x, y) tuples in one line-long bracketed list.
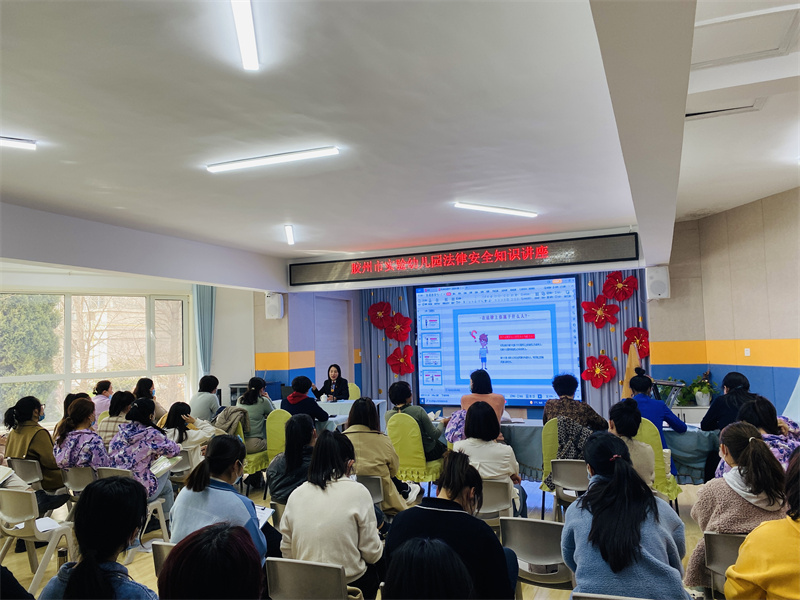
[(455, 428), (781, 446), (81, 448), (136, 446)]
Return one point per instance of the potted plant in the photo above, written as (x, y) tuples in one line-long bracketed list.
[(702, 389)]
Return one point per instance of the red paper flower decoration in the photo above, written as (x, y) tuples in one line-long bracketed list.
[(380, 314), (398, 328), (600, 370), (400, 360), (616, 289), (599, 313), (638, 336)]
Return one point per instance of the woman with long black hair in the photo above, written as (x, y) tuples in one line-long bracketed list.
[(191, 433), (289, 469), (257, 403), (618, 536)]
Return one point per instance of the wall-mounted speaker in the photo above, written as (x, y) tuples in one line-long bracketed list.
[(657, 284), (273, 305)]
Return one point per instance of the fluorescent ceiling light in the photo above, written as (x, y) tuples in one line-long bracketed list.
[(245, 31), (18, 143), (496, 209), (273, 159), (289, 234)]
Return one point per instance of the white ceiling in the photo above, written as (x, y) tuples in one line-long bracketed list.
[(516, 104)]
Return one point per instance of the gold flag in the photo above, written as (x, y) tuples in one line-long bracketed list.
[(630, 370)]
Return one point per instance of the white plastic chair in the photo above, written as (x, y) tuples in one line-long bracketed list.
[(181, 469), (289, 579), (160, 552), (375, 486), (18, 520), (30, 471), (568, 476), (722, 550), (537, 543), (276, 516), (498, 501), (75, 480)]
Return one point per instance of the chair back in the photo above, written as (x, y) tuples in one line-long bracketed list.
[(648, 434), (105, 472), (18, 506), (375, 486), (498, 497), (406, 438), (276, 516), (77, 478), (30, 471), (355, 391), (184, 464), (570, 475), (722, 550), (549, 449), (537, 543), (160, 552), (276, 432), (102, 415), (289, 579)]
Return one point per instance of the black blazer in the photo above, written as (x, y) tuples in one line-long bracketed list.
[(342, 391)]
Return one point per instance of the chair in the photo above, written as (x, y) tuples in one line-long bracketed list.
[(549, 452), (537, 543), (291, 579), (276, 516), (407, 441), (276, 432), (664, 483), (160, 552), (722, 550), (498, 501), (181, 469), (30, 471), (19, 520), (75, 480), (568, 475), (102, 415), (354, 390), (375, 486)]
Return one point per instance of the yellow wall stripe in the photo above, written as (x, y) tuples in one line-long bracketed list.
[(283, 361), (763, 353), (301, 360), (357, 356)]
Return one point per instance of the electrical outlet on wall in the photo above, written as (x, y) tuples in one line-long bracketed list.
[(747, 351)]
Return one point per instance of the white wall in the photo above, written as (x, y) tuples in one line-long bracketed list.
[(233, 359)]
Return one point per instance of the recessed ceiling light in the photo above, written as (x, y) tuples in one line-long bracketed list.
[(496, 209), (246, 32), (289, 234), (18, 143), (272, 159)]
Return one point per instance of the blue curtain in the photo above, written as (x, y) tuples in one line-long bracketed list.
[(376, 376), (609, 339), (204, 301)]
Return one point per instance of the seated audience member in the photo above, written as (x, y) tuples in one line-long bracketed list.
[(205, 402), (480, 386), (618, 537), (566, 405), (109, 517), (335, 386), (258, 405), (70, 398), (438, 572), (768, 558), (289, 469), (299, 402), (400, 396), (494, 461), (145, 388), (624, 420), (121, 403), (724, 409), (454, 432), (209, 496), (77, 445), (761, 414), (12, 590), (747, 495), (137, 444), (102, 396), (376, 456), (331, 519), (654, 410), (449, 517), (217, 561), (188, 432)]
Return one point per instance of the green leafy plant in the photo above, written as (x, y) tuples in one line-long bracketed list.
[(701, 383)]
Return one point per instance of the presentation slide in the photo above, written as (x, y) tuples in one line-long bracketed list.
[(522, 333)]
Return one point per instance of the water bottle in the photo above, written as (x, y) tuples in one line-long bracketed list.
[(62, 556)]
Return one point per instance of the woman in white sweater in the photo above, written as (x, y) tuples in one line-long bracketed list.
[(190, 433), (331, 519)]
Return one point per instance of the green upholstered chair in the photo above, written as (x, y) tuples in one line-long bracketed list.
[(406, 438)]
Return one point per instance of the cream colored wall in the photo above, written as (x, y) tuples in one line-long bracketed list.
[(232, 360), (271, 335)]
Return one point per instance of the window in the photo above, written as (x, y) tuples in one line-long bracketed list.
[(54, 344)]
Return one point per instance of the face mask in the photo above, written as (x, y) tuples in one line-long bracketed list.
[(238, 480), (41, 417), (93, 423), (153, 393), (353, 477)]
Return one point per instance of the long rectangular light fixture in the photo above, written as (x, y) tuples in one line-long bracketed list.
[(289, 234), (272, 159), (246, 32), (496, 209), (18, 143)]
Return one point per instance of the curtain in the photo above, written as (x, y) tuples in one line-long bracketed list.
[(204, 301), (376, 376), (609, 339)]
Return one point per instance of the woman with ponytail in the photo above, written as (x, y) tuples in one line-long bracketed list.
[(77, 445), (257, 403), (137, 444), (109, 517), (102, 395), (634, 539), (28, 439), (750, 493), (191, 433)]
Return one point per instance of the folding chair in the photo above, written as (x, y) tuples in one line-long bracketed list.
[(292, 579)]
